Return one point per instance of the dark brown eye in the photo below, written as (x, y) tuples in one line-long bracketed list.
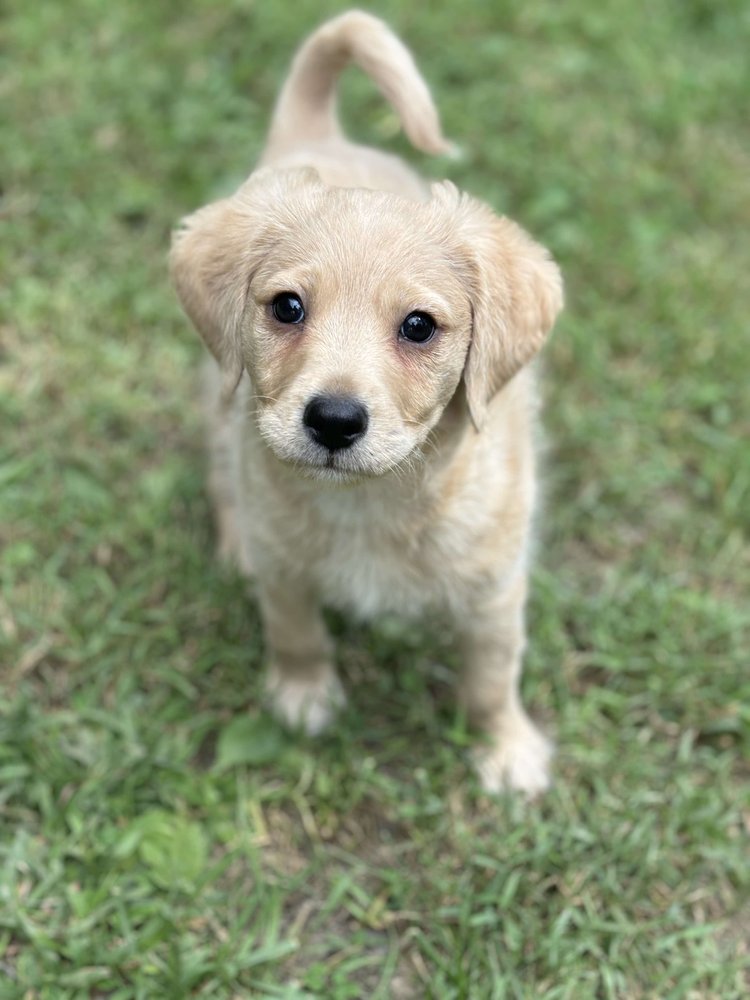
[(418, 327), (287, 308)]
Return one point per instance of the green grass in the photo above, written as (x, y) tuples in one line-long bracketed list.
[(161, 838)]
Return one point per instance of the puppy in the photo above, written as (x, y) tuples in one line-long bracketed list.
[(378, 454)]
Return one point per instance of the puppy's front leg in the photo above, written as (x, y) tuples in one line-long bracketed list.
[(301, 684), (518, 755)]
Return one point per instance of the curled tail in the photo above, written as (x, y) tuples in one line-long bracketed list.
[(306, 108)]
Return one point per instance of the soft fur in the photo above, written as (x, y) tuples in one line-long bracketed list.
[(432, 508)]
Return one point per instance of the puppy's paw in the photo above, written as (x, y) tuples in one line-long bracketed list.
[(517, 761), (306, 704)]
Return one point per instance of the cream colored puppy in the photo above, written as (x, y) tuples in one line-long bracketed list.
[(377, 455)]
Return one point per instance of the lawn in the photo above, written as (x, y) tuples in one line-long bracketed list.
[(159, 836)]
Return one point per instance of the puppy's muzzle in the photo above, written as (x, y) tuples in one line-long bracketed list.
[(335, 421)]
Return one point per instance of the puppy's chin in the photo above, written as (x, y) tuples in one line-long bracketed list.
[(331, 474), (345, 468)]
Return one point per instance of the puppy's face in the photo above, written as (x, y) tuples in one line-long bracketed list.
[(356, 313), (355, 333)]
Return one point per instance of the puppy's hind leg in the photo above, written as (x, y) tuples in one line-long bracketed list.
[(517, 755), (223, 472)]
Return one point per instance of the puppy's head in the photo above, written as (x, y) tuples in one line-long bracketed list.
[(357, 313)]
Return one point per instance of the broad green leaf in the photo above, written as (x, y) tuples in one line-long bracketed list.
[(249, 740)]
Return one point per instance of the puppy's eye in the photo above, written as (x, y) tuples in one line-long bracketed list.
[(418, 327), (287, 308)]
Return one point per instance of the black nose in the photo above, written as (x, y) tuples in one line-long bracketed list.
[(335, 421)]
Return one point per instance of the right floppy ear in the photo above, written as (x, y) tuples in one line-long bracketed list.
[(214, 254), (210, 267)]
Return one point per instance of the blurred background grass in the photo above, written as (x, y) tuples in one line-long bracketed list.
[(159, 839)]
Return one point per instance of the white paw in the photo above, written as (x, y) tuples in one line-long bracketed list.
[(309, 705), (519, 761)]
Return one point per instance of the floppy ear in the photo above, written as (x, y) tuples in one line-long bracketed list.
[(214, 254), (516, 294), (206, 267)]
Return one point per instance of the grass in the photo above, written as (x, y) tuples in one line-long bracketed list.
[(159, 837)]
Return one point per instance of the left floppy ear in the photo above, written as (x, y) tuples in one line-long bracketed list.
[(516, 294), (215, 252)]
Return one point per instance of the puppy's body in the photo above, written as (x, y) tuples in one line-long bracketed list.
[(433, 535), (430, 506)]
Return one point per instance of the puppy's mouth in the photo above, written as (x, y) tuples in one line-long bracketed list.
[(345, 466), (333, 466)]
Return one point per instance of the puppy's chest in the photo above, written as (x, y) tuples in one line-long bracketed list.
[(372, 558)]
